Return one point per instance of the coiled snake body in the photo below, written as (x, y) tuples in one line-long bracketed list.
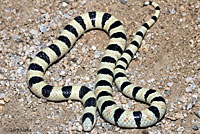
[(113, 64)]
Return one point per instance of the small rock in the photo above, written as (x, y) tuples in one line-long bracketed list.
[(167, 92), (170, 84), (195, 127), (123, 1), (197, 113), (87, 78), (83, 2), (2, 95), (37, 132), (63, 73), (172, 11), (192, 43), (165, 11), (53, 25), (16, 38), (180, 129), (145, 132), (185, 115), (117, 129), (193, 86), (79, 61), (34, 32), (97, 55), (106, 126), (188, 79), (83, 49), (67, 16), (188, 90), (6, 99), (198, 18), (189, 106), (198, 90), (194, 100), (179, 116), (93, 48), (37, 121), (43, 28), (2, 102), (183, 99), (20, 70), (79, 128), (44, 16), (64, 4), (151, 80)]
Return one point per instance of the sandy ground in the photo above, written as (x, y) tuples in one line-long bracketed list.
[(169, 61)]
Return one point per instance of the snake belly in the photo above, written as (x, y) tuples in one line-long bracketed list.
[(113, 65)]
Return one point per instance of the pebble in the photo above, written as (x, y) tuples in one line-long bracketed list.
[(83, 49), (193, 86), (34, 32), (189, 106), (86, 79), (123, 1), (167, 92), (83, 2), (192, 43), (6, 99), (180, 129), (194, 100), (79, 61), (198, 90), (93, 48), (195, 127), (188, 89), (43, 28), (172, 11), (2, 95), (53, 25), (37, 132), (79, 128), (165, 11), (117, 129), (188, 79), (64, 4), (37, 121), (170, 84), (198, 18), (151, 80), (106, 126), (97, 55), (67, 16), (183, 99), (2, 102), (197, 113), (62, 73), (16, 38)]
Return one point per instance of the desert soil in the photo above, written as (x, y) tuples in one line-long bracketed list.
[(168, 60)]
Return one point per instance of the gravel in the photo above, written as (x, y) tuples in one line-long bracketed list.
[(168, 61)]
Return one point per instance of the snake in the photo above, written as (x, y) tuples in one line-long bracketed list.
[(117, 56)]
